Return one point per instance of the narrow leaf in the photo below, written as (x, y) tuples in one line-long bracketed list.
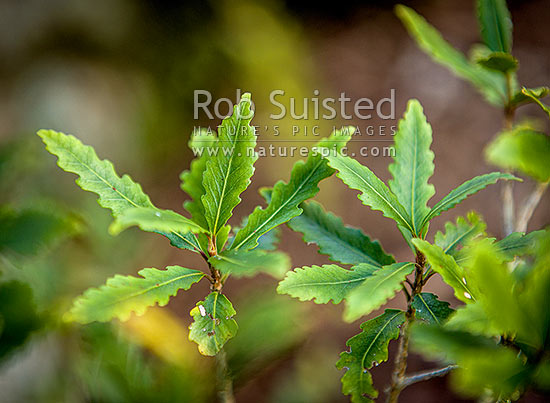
[(122, 295), (491, 84), (324, 283), (376, 290), (413, 165), (449, 270), (374, 192), (468, 188), (228, 173), (430, 309), (213, 323), (521, 97), (98, 176), (341, 243), (241, 263), (534, 96), (154, 220), (368, 348), (495, 24), (95, 175), (285, 198)]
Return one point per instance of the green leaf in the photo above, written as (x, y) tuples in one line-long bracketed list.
[(430, 309), (368, 348), (524, 150), (191, 180), (228, 173), (496, 292), (341, 243), (449, 270), (468, 188), (534, 96), (270, 239), (459, 233), (98, 176), (241, 263), (286, 197), (18, 316), (122, 295), (518, 244), (95, 175), (472, 318), (374, 192), (495, 24), (500, 61), (213, 323), (154, 220), (521, 98), (482, 363), (413, 165), (376, 290), (491, 84), (324, 283)]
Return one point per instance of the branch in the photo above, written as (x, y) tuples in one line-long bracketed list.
[(529, 207), (425, 375)]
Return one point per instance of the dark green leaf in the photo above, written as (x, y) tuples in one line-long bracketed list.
[(500, 61), (341, 243), (495, 24), (368, 348), (430, 309)]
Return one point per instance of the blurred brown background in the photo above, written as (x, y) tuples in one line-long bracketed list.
[(120, 75)]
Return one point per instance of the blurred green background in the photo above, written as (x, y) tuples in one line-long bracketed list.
[(120, 75)]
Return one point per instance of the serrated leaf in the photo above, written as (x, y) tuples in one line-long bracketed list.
[(98, 176), (468, 188), (500, 61), (491, 84), (376, 290), (413, 165), (228, 173), (324, 283), (341, 243), (213, 323), (122, 295), (524, 150), (242, 263), (95, 175), (191, 180), (495, 24), (430, 309), (285, 198), (368, 348), (154, 220), (374, 192), (450, 271), (459, 233)]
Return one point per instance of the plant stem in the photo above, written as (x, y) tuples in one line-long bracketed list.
[(508, 187), (425, 375), (529, 207), (398, 376), (225, 383)]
